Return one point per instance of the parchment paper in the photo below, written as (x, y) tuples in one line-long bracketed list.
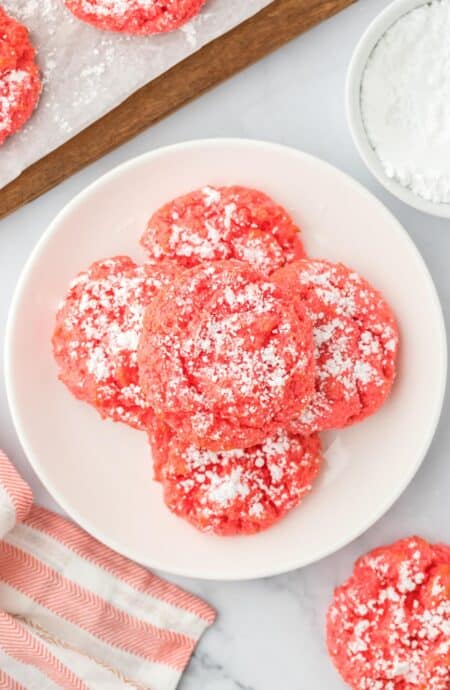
[(88, 72)]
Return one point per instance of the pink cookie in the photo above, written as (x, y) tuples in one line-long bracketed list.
[(217, 223), (356, 342), (389, 624), (97, 331), (236, 491), (20, 84), (142, 17), (224, 358)]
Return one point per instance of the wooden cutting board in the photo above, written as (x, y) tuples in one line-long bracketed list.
[(266, 31)]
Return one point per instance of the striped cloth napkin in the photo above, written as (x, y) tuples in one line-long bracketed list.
[(76, 615)]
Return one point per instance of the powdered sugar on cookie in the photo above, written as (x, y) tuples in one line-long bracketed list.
[(355, 339), (97, 333), (20, 83), (224, 358), (239, 491), (216, 223), (389, 625), (142, 17)]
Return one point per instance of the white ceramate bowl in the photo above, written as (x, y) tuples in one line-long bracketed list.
[(363, 50), (100, 472)]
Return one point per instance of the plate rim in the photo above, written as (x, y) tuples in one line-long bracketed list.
[(238, 573)]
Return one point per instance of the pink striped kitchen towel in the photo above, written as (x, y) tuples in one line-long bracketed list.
[(76, 615)]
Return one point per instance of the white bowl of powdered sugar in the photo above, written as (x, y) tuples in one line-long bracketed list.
[(398, 102)]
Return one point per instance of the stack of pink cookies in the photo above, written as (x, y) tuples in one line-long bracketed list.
[(232, 349)]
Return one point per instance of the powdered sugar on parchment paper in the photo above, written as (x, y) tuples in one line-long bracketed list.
[(87, 72)]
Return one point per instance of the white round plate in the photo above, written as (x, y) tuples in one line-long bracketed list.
[(100, 472)]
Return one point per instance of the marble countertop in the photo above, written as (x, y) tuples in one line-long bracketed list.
[(270, 633)]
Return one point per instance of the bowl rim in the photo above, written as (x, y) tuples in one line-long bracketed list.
[(366, 44), (296, 561)]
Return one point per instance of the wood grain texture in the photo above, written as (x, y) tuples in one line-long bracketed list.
[(266, 31)]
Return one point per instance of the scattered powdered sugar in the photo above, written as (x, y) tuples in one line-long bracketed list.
[(20, 84), (106, 8), (229, 214), (225, 490), (221, 352), (87, 72), (394, 635), (98, 329), (188, 243), (408, 579), (220, 223), (255, 253), (12, 87), (97, 363), (211, 195), (355, 341), (246, 488), (232, 353)]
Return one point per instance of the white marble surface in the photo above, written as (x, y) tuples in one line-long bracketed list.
[(270, 633)]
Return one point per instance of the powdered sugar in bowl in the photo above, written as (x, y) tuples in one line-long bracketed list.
[(398, 91)]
